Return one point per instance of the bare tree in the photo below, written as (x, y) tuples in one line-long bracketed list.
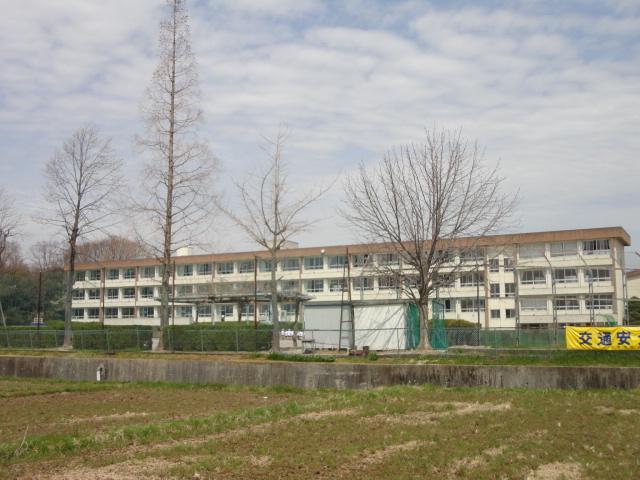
[(114, 247), (270, 217), (82, 185), (420, 201), (48, 255), (8, 222), (177, 183)]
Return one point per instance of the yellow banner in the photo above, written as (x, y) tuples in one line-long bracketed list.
[(603, 338)]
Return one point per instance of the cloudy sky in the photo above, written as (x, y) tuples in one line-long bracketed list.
[(549, 89)]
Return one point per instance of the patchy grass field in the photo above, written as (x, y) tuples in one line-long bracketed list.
[(68, 430)]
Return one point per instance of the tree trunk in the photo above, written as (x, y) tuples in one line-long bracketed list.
[(423, 311), (274, 302), (168, 220), (68, 295)]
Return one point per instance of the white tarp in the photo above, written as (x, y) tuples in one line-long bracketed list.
[(381, 327), (322, 324)]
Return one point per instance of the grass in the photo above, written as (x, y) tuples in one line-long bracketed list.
[(271, 433), (573, 358)]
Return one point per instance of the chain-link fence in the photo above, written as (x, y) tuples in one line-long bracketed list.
[(254, 340)]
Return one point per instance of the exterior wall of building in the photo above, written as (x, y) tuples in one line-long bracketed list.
[(570, 277)]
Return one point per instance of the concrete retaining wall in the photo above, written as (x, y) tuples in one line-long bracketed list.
[(319, 375)]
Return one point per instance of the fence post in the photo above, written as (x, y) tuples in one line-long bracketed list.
[(106, 332), (201, 341), (137, 338), (81, 340), (237, 341), (30, 339)]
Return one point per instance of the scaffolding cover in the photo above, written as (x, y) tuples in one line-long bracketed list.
[(381, 327)]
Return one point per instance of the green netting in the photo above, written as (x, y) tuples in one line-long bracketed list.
[(413, 327), (437, 332)]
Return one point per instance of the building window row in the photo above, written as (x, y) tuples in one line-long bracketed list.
[(567, 303)]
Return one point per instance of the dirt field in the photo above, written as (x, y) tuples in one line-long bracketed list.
[(64, 430)]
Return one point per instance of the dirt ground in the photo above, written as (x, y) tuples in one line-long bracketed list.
[(64, 430)]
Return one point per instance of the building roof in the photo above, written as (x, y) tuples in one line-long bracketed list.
[(489, 240), (633, 274)]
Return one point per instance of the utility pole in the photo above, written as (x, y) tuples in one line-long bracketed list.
[(39, 307), (255, 292)]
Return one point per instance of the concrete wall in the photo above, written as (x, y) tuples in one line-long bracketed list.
[(318, 375)]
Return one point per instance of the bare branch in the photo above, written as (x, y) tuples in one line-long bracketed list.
[(420, 199)]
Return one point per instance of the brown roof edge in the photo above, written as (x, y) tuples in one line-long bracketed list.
[(489, 240)]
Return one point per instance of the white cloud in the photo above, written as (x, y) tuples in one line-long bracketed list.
[(555, 97)]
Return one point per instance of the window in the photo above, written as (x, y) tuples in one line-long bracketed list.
[(290, 264), (509, 290), (112, 294), (449, 304), (184, 290), (533, 277), (495, 313), (566, 275), (508, 264), (494, 289), (204, 288), (387, 283), (127, 312), (93, 313), (567, 303), (148, 272), (600, 302), (313, 263), (185, 270), (110, 313), (78, 294), (204, 269), (147, 312), (444, 280), (204, 310), (411, 281), (247, 311), (289, 309), (595, 247), (246, 266), (80, 276), (494, 265), (363, 283), (113, 274), (225, 268), (600, 274), (94, 294), (388, 259), (472, 304), (473, 255), (129, 273), (532, 250), (336, 285), (94, 274), (183, 311), (146, 292), (265, 266), (564, 249), (510, 313), (471, 279), (226, 312), (128, 293), (360, 260), (315, 286), (444, 256), (337, 261), (533, 304), (290, 286), (78, 313)]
